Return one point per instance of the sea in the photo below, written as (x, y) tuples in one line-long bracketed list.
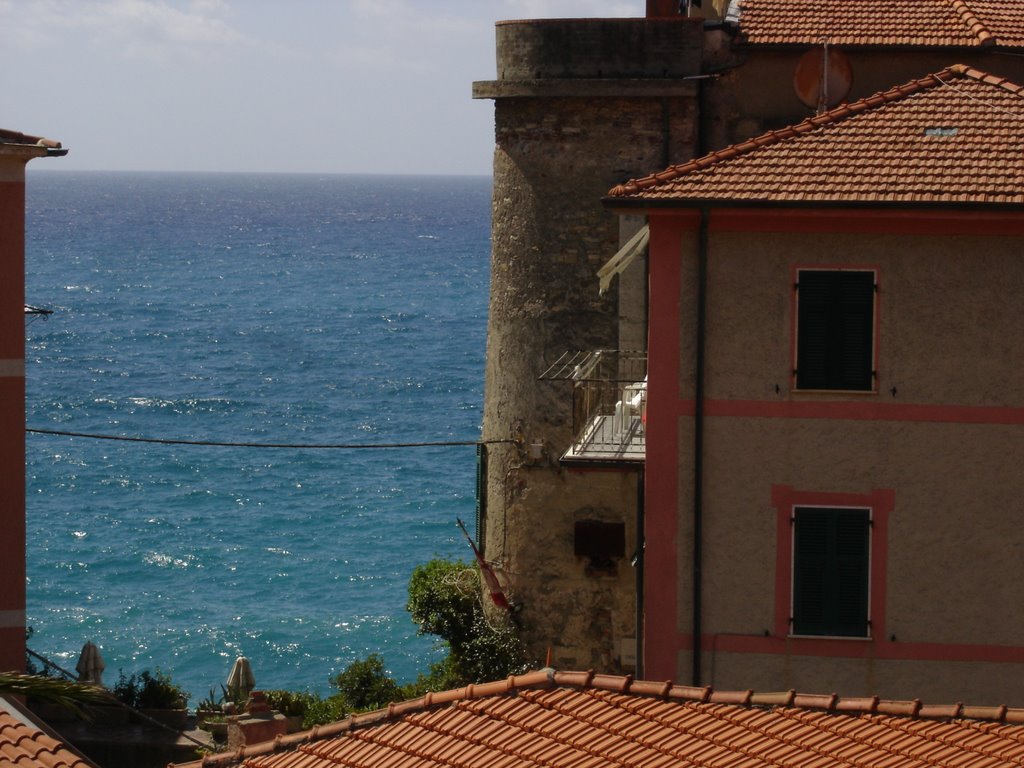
[(304, 310)]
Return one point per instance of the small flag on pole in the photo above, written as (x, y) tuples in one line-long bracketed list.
[(497, 595)]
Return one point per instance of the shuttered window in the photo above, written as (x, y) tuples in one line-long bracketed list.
[(831, 554), (835, 329)]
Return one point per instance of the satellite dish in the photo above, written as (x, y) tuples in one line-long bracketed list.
[(820, 89)]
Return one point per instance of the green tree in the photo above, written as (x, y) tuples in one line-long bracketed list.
[(444, 600), (365, 685)]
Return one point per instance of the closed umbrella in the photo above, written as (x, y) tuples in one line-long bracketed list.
[(90, 664), (241, 680)]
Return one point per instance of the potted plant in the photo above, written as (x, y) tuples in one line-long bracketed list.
[(209, 708)]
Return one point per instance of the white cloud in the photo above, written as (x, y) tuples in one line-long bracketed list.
[(129, 28), (160, 22), (394, 36), (373, 85)]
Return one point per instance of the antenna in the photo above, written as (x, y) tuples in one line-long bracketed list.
[(823, 87)]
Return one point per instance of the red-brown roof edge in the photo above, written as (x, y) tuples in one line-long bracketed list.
[(15, 137)]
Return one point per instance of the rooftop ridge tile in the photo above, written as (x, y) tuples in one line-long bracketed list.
[(973, 23)]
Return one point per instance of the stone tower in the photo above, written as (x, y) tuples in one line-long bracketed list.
[(580, 105)]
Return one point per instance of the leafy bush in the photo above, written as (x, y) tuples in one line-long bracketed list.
[(321, 710), (149, 690), (290, 703)]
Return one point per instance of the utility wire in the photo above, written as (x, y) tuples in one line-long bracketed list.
[(294, 446)]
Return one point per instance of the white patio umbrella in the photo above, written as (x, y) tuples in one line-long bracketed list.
[(90, 664), (241, 680)]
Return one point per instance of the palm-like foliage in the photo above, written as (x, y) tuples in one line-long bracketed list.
[(64, 693)]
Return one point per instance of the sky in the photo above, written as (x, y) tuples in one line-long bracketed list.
[(307, 86)]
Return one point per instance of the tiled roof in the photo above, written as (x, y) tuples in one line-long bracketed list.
[(15, 137), (1003, 18), (968, 23), (23, 744), (583, 720), (952, 137)]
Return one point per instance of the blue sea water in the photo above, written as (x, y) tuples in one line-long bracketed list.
[(253, 308)]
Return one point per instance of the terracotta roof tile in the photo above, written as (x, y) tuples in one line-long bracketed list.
[(24, 743), (577, 720), (929, 23), (954, 136), (1003, 18), (15, 137)]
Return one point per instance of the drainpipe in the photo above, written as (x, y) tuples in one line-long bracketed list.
[(698, 440)]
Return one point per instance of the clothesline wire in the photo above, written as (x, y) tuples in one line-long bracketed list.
[(294, 446)]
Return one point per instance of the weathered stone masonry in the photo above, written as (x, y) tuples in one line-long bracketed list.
[(579, 106)]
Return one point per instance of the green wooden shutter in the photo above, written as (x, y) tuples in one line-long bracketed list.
[(835, 330), (831, 553)]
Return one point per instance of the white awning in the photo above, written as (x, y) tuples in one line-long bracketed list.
[(618, 263)]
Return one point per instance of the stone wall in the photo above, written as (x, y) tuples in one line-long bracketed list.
[(579, 107)]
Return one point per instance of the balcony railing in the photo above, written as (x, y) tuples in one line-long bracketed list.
[(609, 404)]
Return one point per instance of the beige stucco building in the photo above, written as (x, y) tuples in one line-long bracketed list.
[(836, 401)]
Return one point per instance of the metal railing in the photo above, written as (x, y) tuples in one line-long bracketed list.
[(609, 403)]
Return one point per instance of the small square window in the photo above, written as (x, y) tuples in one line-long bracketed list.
[(831, 562), (835, 329)]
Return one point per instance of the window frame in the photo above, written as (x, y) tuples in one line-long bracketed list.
[(834, 385), (795, 568), (881, 502)]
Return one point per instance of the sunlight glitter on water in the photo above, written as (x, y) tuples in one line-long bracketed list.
[(240, 320)]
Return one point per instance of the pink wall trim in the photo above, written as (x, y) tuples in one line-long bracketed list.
[(665, 405), (12, 421), (918, 222), (851, 410), (882, 649), (865, 410)]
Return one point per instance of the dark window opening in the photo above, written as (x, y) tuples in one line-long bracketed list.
[(602, 543), (835, 330), (831, 554)]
